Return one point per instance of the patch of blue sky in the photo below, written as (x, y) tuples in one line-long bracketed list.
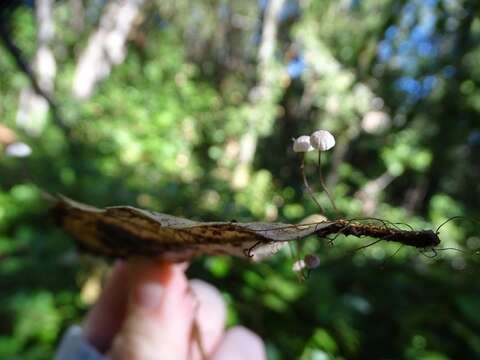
[(391, 32), (408, 16), (385, 51), (416, 89), (427, 49), (407, 64), (429, 82), (410, 43), (262, 4), (430, 3), (421, 32), (406, 47), (289, 10), (449, 71), (296, 67), (408, 84)]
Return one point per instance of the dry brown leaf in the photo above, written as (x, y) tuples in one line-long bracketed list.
[(125, 231)]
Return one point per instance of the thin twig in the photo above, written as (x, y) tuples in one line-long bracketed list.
[(23, 65), (366, 246)]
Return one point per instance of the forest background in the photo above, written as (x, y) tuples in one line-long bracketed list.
[(189, 108)]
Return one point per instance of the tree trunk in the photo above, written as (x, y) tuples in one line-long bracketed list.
[(106, 46), (262, 95), (33, 108)]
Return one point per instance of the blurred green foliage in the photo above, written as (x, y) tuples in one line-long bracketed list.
[(164, 131)]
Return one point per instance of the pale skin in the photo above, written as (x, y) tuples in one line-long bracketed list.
[(148, 309)]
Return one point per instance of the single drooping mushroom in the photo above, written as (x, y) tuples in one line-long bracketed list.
[(323, 140), (309, 262), (302, 145)]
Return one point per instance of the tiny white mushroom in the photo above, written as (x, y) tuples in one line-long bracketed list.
[(298, 265), (302, 144), (18, 149), (312, 261), (322, 140)]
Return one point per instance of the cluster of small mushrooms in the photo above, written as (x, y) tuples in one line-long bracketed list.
[(320, 140)]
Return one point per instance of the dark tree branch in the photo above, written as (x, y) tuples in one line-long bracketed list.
[(24, 67)]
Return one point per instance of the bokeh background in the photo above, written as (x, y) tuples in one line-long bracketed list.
[(189, 108)]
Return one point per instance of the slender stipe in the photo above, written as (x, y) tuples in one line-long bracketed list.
[(307, 185), (324, 186)]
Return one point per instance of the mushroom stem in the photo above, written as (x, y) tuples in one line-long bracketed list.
[(322, 182), (307, 185), (298, 266)]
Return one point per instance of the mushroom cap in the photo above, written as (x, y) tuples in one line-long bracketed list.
[(322, 140), (18, 149), (298, 265), (302, 144), (312, 261)]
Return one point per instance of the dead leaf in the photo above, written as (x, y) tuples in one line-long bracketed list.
[(126, 231)]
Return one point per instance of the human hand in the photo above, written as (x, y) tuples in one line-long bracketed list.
[(147, 311)]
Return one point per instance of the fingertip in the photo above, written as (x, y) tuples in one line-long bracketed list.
[(210, 316), (160, 313), (241, 343), (105, 318)]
